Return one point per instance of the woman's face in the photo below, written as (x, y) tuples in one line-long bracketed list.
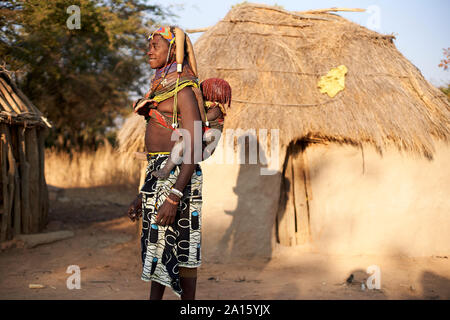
[(157, 52)]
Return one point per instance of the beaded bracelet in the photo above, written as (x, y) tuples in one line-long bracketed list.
[(171, 201)]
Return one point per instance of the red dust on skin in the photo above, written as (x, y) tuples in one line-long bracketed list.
[(157, 51)]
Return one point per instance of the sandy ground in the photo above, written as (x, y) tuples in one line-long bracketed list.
[(107, 250)]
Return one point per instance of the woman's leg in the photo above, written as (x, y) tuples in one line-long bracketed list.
[(188, 282), (156, 291)]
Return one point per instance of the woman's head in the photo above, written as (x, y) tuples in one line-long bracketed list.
[(160, 42)]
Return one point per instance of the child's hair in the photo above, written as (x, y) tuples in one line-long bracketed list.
[(216, 90)]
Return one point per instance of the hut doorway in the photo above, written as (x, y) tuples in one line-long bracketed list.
[(293, 221)]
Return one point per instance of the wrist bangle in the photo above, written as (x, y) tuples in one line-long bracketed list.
[(176, 192), (171, 201)]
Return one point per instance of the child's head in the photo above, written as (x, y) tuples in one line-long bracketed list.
[(216, 90)]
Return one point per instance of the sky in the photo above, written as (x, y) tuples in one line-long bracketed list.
[(421, 27)]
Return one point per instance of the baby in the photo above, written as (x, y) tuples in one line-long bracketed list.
[(216, 94)]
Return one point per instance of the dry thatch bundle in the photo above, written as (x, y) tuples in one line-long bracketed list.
[(131, 135), (273, 60)]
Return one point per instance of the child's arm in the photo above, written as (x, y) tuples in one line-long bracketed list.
[(176, 157), (214, 113)]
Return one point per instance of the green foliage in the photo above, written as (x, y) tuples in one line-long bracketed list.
[(79, 78), (446, 91)]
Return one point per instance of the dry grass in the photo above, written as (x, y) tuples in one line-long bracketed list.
[(105, 167), (131, 135)]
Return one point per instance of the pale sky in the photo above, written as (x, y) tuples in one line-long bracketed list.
[(421, 27)]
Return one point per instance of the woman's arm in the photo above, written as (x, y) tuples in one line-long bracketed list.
[(187, 104), (189, 113)]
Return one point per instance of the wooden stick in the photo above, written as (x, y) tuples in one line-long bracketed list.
[(12, 187), (309, 194), (300, 196), (19, 119), (296, 25), (16, 211), (17, 202), (4, 157), (7, 181), (24, 173), (197, 30), (32, 155), (5, 104), (295, 15), (7, 95), (334, 9), (43, 191)]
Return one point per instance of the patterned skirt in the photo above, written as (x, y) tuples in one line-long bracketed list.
[(166, 248)]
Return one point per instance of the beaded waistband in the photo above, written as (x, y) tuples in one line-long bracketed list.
[(154, 155), (160, 152)]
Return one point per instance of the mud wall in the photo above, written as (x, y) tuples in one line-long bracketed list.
[(360, 203)]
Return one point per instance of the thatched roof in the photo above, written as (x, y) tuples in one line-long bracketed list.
[(15, 107), (273, 60)]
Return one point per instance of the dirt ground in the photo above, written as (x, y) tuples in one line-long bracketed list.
[(107, 250)]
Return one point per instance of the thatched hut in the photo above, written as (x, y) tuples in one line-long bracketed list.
[(23, 191), (361, 171)]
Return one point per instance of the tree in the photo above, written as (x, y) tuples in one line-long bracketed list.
[(79, 78), (446, 61)]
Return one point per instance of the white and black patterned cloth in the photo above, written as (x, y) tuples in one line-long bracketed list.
[(166, 248)]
